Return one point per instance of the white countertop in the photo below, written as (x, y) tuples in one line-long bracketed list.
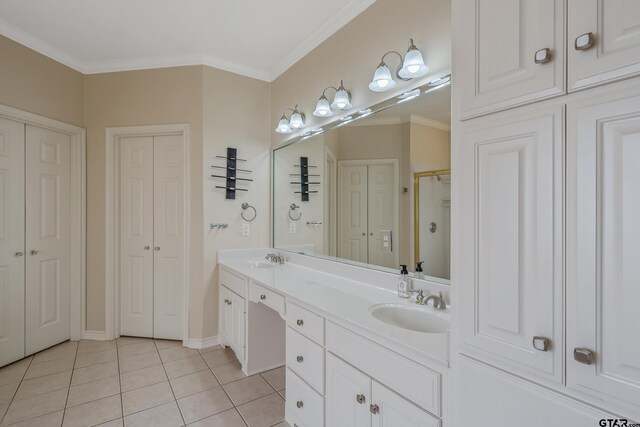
[(347, 302)]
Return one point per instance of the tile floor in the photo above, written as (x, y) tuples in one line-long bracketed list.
[(138, 382)]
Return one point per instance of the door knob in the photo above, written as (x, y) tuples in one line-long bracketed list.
[(584, 355), (157, 248), (360, 398), (19, 254), (263, 297), (34, 252), (585, 41), (146, 248), (374, 409), (299, 359), (543, 56), (300, 322), (299, 403)]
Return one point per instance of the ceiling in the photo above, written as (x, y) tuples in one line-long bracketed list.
[(256, 38)]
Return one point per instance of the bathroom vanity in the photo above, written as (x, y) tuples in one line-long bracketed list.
[(356, 353)]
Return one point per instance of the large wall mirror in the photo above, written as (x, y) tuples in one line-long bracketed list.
[(374, 188)]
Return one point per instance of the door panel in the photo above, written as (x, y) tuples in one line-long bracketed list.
[(48, 238), (168, 237), (381, 215), (353, 212), (394, 410), (512, 203), (12, 264), (344, 384), (603, 241), (498, 53), (616, 51), (237, 324), (136, 236)]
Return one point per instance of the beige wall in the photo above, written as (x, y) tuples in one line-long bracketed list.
[(353, 53), (32, 82)]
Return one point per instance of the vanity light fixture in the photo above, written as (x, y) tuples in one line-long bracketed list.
[(411, 66), (295, 122), (341, 101)]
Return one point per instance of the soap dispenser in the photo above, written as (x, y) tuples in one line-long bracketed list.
[(404, 283), (419, 274)]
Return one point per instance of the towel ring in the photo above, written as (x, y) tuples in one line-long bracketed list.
[(293, 208), (246, 206)]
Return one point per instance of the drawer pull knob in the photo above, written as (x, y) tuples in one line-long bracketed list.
[(263, 297), (299, 403), (543, 56), (374, 409), (585, 41), (19, 254), (584, 355), (300, 322), (300, 359), (541, 343), (360, 398)]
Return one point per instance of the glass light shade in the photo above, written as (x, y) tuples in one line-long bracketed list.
[(322, 108), (283, 126), (296, 121), (413, 65), (382, 80), (341, 100)]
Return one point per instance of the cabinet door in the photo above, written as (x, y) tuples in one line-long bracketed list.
[(615, 47), (603, 244), (348, 395), (511, 214), (497, 53), (237, 326), (391, 410), (223, 315), (12, 248)]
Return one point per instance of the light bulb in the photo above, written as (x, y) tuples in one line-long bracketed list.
[(382, 80), (297, 121), (413, 64), (283, 126), (322, 108), (342, 99)]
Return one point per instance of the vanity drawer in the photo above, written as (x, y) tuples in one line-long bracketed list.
[(306, 358), (415, 382), (269, 298), (234, 282), (303, 402), (307, 323)]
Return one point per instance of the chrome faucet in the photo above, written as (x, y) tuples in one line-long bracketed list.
[(275, 258), (438, 301)]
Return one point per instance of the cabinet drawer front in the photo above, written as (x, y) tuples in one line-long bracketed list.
[(413, 381), (267, 297), (304, 403), (307, 323), (306, 358), (234, 282)]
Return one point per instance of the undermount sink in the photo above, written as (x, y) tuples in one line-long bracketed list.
[(411, 318), (259, 264)]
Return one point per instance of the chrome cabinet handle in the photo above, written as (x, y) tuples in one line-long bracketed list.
[(374, 409), (157, 248), (584, 355), (34, 252), (360, 398), (541, 343), (299, 403), (19, 253), (585, 41), (146, 248), (299, 359), (300, 322), (263, 297), (543, 56)]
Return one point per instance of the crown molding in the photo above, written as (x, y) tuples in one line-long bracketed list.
[(413, 118)]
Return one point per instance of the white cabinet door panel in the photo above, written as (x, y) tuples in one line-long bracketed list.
[(237, 324), (498, 49), (394, 411), (136, 236), (168, 237), (603, 243), (12, 259), (512, 196), (348, 395), (615, 25), (353, 214), (48, 238)]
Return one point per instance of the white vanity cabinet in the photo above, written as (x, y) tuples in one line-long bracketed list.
[(232, 312)]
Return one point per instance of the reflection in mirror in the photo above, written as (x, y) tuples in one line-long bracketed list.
[(347, 192)]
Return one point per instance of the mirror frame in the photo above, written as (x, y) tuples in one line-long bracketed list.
[(408, 95)]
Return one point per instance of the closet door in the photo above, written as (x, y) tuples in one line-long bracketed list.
[(11, 241), (48, 242), (353, 213), (381, 215), (136, 236), (168, 236)]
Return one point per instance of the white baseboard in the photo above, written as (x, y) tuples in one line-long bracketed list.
[(203, 343), (94, 335)]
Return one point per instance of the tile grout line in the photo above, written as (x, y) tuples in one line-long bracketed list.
[(66, 401), (120, 382), (184, 422), (16, 392)]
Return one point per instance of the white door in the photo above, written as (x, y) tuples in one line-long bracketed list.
[(497, 54), (603, 245), (224, 316), (12, 260), (48, 243), (136, 236), (615, 47), (168, 237), (348, 395), (391, 410), (381, 215), (353, 205), (511, 207)]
